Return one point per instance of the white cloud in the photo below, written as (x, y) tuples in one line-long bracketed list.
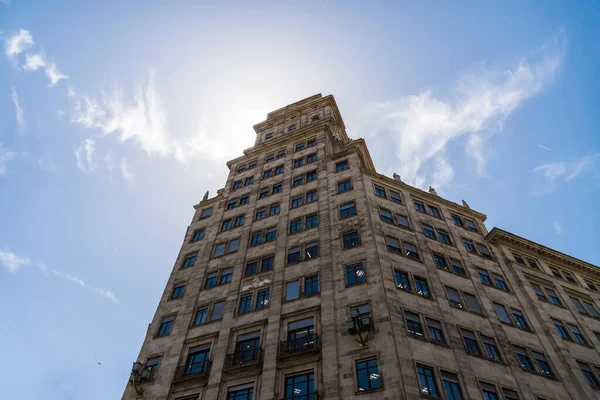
[(5, 157), (18, 43), (563, 170), (542, 146), (34, 62), (18, 110), (557, 227), (53, 74), (85, 155), (12, 261), (60, 113), (79, 282), (419, 127), (128, 175)]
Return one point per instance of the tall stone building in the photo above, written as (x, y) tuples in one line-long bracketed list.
[(311, 276)]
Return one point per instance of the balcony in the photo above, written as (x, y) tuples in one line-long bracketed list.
[(191, 371), (302, 345), (244, 358), (310, 396)]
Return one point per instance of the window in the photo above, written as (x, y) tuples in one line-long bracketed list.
[(311, 143), (252, 164), (292, 290), (271, 234), (312, 250), (457, 221), (300, 386), (553, 297), (591, 285), (510, 394), (297, 201), (211, 280), (444, 237), (241, 392), (592, 310), (413, 324), (469, 246), (395, 196), (279, 169), (178, 290), (198, 235), (298, 180), (226, 225), (379, 191), (484, 251), (518, 259), (502, 313), (299, 162), (249, 181), (263, 193), (233, 245), (454, 297), (217, 312), (207, 212), (276, 188), (267, 174), (311, 285), (393, 245), (451, 386), (251, 268), (267, 263), (470, 342), (260, 213), (311, 196), (555, 272), (472, 303), (269, 158), (344, 186), (360, 317), (311, 158), (411, 251), (239, 221), (436, 334), (367, 375), (244, 200), (519, 319), (484, 276), (291, 128), (421, 287), (560, 328), (542, 363), (569, 277), (457, 267), (347, 210), (434, 212), (269, 136), (242, 168), (586, 370), (402, 221), (440, 261), (312, 221), (245, 303), (488, 391), (189, 260), (470, 225), (280, 154), (351, 239), (294, 255), (539, 292), (533, 264), (355, 274), (429, 232), (402, 280), (419, 206), (296, 225), (256, 239), (523, 358), (427, 381), (386, 216), (491, 349), (301, 335), (341, 166), (262, 298), (201, 316), (274, 209), (500, 282), (152, 364), (579, 338), (166, 324), (311, 176), (226, 276)]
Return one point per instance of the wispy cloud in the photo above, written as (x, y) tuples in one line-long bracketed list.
[(13, 263), (420, 126), (552, 175), (18, 110), (128, 175), (557, 227), (53, 74), (18, 43), (85, 155), (5, 157), (47, 165), (542, 146), (34, 62)]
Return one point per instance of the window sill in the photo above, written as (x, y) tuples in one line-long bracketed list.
[(452, 272), (356, 284), (381, 389), (501, 362), (551, 377), (206, 323), (414, 293), (468, 311), (424, 339)]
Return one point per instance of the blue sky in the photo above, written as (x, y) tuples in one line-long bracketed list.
[(116, 118)]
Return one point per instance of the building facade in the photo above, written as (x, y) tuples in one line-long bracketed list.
[(311, 276)]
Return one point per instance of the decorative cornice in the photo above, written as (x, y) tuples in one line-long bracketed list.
[(563, 260)]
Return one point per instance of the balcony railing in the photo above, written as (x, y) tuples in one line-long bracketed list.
[(309, 396), (242, 358), (195, 370), (309, 343)]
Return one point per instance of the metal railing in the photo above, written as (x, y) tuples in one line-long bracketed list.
[(192, 370), (244, 357), (299, 345)]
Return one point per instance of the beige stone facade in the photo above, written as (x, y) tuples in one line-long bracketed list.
[(431, 283)]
